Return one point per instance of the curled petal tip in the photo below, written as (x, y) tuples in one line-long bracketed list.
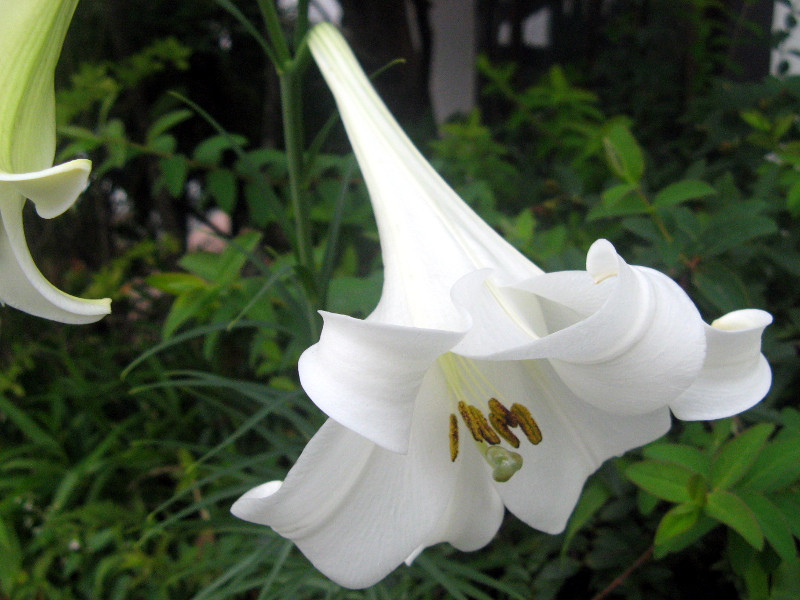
[(247, 507), (602, 261), (740, 320)]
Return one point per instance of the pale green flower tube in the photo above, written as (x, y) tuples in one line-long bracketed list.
[(31, 35)]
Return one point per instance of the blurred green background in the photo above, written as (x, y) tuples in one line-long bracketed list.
[(653, 123)]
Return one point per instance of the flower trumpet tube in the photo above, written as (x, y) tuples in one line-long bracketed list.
[(31, 35), (480, 383)]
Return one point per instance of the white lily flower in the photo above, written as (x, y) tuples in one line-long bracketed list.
[(31, 35), (480, 383)]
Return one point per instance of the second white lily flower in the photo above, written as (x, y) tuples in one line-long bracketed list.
[(480, 382)]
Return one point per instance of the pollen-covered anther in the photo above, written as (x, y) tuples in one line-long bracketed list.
[(469, 421), (527, 423), (487, 433), (498, 408), (501, 427), (453, 437)]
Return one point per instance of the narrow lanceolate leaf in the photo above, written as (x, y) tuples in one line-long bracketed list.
[(774, 525), (682, 191), (729, 509), (737, 455), (664, 480)]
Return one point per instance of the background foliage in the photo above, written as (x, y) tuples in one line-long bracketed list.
[(123, 444)]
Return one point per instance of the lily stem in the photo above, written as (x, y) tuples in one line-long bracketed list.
[(290, 72), (620, 579), (291, 106)]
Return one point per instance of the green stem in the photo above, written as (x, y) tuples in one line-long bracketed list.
[(302, 22), (275, 33), (291, 106)]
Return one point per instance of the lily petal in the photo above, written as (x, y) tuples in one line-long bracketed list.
[(52, 190), (23, 286), (576, 440), (407, 194), (367, 375), (355, 510), (735, 374), (640, 350), (31, 35)]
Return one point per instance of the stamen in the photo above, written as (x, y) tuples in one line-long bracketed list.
[(527, 423), (453, 438), (497, 408), (469, 421), (501, 427), (504, 463), (487, 433)]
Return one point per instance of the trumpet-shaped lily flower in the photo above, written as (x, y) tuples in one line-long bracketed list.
[(31, 35), (480, 383)]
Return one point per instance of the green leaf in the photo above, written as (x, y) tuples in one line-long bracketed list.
[(730, 509), (789, 505), (210, 150), (355, 295), (167, 122), (680, 454), (786, 581), (676, 521), (623, 153), (773, 524), (777, 466), (176, 283), (223, 268), (620, 200), (188, 306), (681, 191), (722, 286), (756, 119), (735, 457), (29, 428), (173, 173), (731, 230), (222, 187), (593, 497), (11, 563), (163, 144), (793, 199), (665, 480)]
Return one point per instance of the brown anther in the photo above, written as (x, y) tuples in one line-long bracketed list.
[(497, 408), (501, 427), (453, 438), (487, 433), (527, 423), (469, 421)]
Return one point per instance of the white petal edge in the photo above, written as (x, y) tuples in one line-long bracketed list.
[(52, 190), (355, 510), (735, 375), (367, 375), (22, 285)]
